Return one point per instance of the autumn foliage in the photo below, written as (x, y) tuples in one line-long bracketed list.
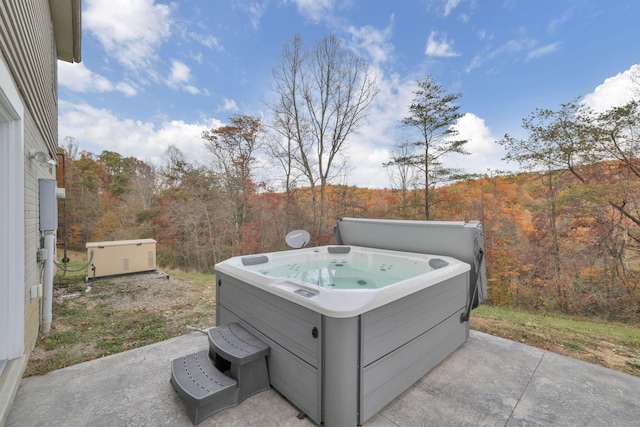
[(197, 223)]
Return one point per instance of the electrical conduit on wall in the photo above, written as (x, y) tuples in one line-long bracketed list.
[(48, 225), (47, 295)]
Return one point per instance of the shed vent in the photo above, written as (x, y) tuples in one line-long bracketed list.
[(121, 257)]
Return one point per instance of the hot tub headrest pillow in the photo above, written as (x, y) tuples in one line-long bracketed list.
[(436, 263)]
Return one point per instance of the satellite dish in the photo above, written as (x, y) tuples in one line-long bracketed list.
[(297, 238)]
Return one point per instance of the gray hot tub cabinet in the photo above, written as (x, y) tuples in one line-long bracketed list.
[(341, 371), (364, 361)]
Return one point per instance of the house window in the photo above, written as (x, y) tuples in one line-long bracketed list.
[(12, 224)]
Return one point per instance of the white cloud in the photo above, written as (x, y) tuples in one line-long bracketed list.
[(511, 47), (229, 105), (365, 165), (440, 48), (484, 151), (96, 130), (515, 46), (543, 50), (198, 57), (370, 147), (208, 40), (381, 130), (561, 20), (255, 10), (614, 91), (450, 5), (476, 62), (125, 88), (314, 10), (373, 41), (180, 78), (180, 73), (79, 78), (191, 89), (129, 31)]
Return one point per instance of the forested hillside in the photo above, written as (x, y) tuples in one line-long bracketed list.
[(565, 236), (552, 240)]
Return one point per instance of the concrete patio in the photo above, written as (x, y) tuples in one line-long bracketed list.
[(489, 381)]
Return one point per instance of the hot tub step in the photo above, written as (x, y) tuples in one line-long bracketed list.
[(235, 344), (204, 389), (242, 356)]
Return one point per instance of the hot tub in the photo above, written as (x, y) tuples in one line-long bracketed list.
[(350, 327)]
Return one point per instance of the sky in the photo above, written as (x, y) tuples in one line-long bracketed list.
[(156, 73)]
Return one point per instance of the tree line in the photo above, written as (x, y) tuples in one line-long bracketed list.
[(563, 234)]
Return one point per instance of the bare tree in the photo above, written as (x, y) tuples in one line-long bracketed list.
[(174, 168), (402, 174), (143, 185), (322, 95), (282, 148)]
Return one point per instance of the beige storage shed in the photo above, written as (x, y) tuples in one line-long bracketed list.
[(120, 257)]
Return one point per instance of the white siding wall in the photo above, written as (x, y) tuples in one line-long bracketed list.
[(11, 218), (27, 44), (28, 68), (32, 172), (12, 303), (26, 39)]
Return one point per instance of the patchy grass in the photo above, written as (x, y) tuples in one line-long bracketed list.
[(61, 339), (197, 279), (111, 315), (71, 282), (609, 344), (107, 316)]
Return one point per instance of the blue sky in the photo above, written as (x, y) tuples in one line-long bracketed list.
[(156, 73)]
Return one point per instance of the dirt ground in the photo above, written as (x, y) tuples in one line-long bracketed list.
[(110, 315)]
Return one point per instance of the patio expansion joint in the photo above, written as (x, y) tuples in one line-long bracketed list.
[(524, 390), (388, 420)]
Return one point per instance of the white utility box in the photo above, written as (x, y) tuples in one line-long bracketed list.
[(121, 257)]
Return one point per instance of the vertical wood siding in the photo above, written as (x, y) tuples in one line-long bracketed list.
[(27, 43)]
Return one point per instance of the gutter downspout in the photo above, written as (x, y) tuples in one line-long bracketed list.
[(47, 294)]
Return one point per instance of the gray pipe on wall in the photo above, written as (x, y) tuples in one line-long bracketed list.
[(47, 294)]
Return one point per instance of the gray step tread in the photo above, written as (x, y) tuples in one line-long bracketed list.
[(195, 377), (236, 344)]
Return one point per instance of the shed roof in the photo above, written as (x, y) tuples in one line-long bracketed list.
[(67, 28)]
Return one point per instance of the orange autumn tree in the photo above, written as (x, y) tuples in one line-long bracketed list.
[(233, 148)]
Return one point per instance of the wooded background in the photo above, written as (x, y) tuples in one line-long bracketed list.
[(590, 267), (563, 235)]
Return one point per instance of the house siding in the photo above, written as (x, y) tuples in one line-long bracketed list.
[(28, 53), (26, 40), (28, 47), (33, 171)]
